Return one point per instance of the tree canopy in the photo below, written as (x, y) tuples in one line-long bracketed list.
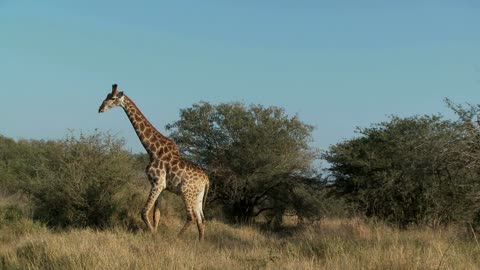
[(414, 170), (258, 157)]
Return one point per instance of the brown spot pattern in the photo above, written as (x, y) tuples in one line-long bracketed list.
[(168, 170)]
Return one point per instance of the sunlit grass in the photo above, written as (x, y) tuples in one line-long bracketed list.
[(329, 244)]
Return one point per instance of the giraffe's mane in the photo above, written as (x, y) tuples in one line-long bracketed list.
[(147, 122)]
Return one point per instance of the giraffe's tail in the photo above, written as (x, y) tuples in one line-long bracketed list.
[(205, 194)]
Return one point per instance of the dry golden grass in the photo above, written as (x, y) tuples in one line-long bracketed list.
[(329, 244)]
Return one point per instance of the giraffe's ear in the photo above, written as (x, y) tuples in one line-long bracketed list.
[(120, 94), (114, 89)]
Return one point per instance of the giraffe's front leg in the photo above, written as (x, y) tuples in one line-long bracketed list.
[(156, 213), (152, 197), (157, 179)]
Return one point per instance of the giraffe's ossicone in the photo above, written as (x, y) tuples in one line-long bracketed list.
[(167, 169)]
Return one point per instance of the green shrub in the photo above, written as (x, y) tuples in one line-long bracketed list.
[(77, 179), (418, 170)]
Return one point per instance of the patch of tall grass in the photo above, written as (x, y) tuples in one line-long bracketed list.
[(328, 244)]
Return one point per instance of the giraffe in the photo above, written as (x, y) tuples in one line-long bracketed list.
[(167, 169)]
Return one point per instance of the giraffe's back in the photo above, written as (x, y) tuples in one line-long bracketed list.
[(184, 176)]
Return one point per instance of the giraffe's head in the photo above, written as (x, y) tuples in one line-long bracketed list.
[(113, 99)]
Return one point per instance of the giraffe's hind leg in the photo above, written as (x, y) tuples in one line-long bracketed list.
[(190, 218), (200, 225), (199, 217), (194, 199)]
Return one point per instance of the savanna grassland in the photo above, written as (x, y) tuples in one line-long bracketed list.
[(326, 244), (403, 194)]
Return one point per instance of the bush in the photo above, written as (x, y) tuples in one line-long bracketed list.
[(415, 170), (9, 164), (75, 181)]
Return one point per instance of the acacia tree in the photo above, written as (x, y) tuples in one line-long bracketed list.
[(258, 157), (415, 170)]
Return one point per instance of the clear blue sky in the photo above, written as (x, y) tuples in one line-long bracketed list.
[(338, 64)]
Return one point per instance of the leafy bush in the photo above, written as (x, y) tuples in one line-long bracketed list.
[(10, 160), (416, 170), (75, 181)]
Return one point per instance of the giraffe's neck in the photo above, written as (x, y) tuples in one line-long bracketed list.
[(149, 136)]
